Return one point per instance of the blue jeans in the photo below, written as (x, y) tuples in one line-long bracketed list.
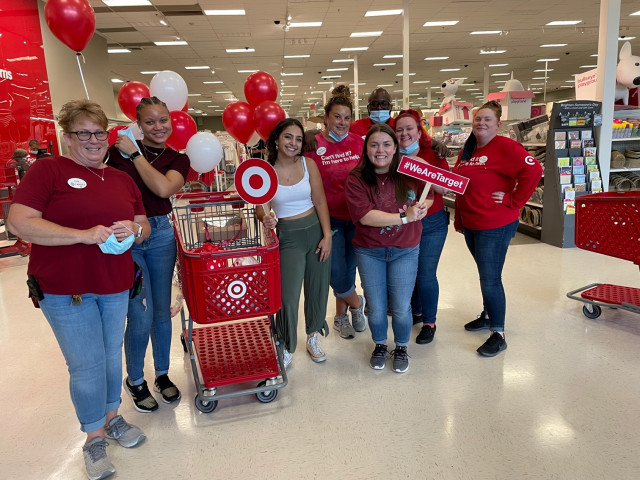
[(489, 249), (343, 258), (426, 292), (388, 272), (157, 257), (90, 337)]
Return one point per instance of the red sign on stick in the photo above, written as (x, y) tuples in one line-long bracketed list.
[(428, 173), (256, 181)]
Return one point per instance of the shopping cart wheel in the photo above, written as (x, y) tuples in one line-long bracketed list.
[(184, 343), (591, 311), (206, 406), (268, 396)]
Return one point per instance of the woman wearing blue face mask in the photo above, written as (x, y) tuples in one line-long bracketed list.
[(413, 141), (336, 154), (75, 211), (379, 108)]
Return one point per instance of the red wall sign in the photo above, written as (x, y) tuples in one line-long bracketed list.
[(25, 101), (428, 173)]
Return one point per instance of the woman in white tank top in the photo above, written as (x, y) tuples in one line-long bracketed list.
[(302, 221)]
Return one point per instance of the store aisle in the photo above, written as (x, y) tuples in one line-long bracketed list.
[(560, 403)]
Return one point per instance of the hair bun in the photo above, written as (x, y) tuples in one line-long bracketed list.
[(341, 91)]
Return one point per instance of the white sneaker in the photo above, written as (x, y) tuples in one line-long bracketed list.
[(96, 461), (313, 347), (286, 358)]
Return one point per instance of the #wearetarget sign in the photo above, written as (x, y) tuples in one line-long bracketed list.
[(432, 175)]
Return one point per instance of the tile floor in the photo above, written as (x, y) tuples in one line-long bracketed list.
[(562, 402)]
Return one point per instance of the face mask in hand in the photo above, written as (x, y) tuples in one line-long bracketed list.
[(114, 247)]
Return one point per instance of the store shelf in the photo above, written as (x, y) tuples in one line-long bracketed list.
[(528, 144), (614, 170), (534, 204), (628, 139)]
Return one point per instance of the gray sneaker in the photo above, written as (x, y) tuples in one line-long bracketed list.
[(342, 325), (378, 357), (400, 359), (358, 317), (96, 461), (126, 434)]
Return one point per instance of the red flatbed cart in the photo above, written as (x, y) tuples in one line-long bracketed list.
[(608, 223), (229, 268)]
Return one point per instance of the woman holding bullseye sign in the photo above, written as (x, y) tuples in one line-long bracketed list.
[(304, 231)]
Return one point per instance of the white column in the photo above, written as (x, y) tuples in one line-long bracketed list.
[(356, 89), (485, 89), (405, 55), (606, 84)]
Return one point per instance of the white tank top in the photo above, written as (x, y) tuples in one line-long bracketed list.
[(292, 200)]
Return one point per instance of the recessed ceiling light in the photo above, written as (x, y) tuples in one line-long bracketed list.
[(212, 82), (332, 76), (366, 34), (472, 89), (126, 3), (436, 58), (118, 50), (422, 81), (500, 74), (622, 39), (594, 55), (539, 78), (247, 71), (353, 49), (634, 13), (290, 86), (149, 72), (444, 23), (297, 74), (116, 80), (500, 81), (588, 66), (400, 74), (197, 67), (305, 24), (205, 101), (548, 60), (449, 69), (325, 83), (240, 50), (174, 42), (225, 12), (546, 45), (297, 56), (194, 94), (563, 22), (383, 13), (486, 32), (337, 69), (224, 92), (543, 70), (489, 51), (392, 56), (287, 94), (343, 60), (383, 64), (388, 85)]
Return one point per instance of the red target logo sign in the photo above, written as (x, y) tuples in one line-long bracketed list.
[(256, 181)]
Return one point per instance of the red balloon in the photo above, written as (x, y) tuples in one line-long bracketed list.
[(237, 119), (184, 127), (129, 97), (185, 109), (113, 133), (73, 22), (260, 87), (266, 116)]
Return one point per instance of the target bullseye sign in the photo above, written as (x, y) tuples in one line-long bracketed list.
[(256, 181)]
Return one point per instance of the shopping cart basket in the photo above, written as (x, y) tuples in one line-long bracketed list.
[(229, 268), (608, 223), (8, 182)]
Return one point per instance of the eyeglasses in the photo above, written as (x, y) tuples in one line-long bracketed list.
[(84, 135), (384, 105)]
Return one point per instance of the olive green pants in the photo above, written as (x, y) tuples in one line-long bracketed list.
[(300, 265)]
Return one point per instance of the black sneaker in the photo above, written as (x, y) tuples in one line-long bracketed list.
[(480, 323), (143, 401), (400, 359), (426, 334), (416, 319), (167, 389), (378, 357), (494, 345)]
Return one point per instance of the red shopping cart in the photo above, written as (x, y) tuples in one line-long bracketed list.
[(8, 182), (229, 269), (608, 223)]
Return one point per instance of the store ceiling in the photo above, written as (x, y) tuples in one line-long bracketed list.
[(522, 25)]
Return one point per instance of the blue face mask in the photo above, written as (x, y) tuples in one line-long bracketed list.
[(379, 116), (336, 137), (114, 247), (411, 148)]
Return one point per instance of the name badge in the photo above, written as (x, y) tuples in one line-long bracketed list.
[(76, 183)]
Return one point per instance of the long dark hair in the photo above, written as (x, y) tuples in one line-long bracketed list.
[(272, 151), (366, 168)]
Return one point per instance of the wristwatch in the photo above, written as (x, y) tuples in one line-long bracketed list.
[(403, 217), (134, 155), (140, 229)]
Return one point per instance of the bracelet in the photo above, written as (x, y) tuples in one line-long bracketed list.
[(134, 155)]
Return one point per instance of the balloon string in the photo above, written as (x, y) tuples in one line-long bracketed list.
[(78, 55)]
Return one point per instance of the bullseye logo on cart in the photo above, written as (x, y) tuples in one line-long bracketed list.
[(237, 289)]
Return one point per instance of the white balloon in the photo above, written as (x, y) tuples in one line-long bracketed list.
[(135, 129), (204, 151), (253, 141), (169, 87)]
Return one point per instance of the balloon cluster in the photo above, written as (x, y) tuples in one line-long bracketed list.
[(259, 114)]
